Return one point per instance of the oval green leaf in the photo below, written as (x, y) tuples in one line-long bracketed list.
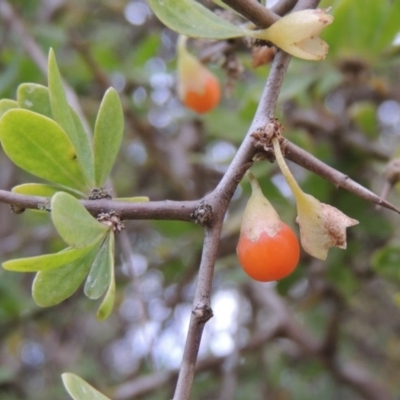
[(108, 132), (54, 286), (99, 276), (38, 145), (37, 189), (190, 18), (34, 97), (47, 261), (108, 302), (69, 120), (74, 223), (7, 104), (85, 153), (78, 389)]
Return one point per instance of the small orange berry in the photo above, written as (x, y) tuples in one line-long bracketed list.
[(205, 100), (198, 87), (270, 258), (268, 249)]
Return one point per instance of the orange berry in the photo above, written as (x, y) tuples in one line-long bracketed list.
[(198, 87), (268, 249), (205, 100), (270, 258)]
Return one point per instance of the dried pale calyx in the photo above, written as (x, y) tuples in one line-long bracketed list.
[(259, 216), (298, 33), (321, 225)]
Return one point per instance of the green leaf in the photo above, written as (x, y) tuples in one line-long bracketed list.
[(68, 120), (7, 104), (190, 18), (108, 132), (36, 189), (54, 286), (34, 97), (386, 262), (99, 276), (38, 145), (108, 302), (390, 25), (78, 389), (86, 154), (74, 223), (47, 261), (364, 31)]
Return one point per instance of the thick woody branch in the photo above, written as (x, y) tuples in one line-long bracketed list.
[(219, 200)]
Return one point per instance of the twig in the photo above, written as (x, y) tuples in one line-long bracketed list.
[(254, 11), (283, 6), (308, 161), (165, 210)]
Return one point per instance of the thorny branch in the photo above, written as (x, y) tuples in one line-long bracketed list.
[(219, 200), (340, 180)]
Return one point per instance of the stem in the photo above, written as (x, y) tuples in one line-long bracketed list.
[(255, 186), (283, 6), (165, 210), (201, 313), (340, 180), (261, 34), (297, 192), (181, 44), (254, 11)]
